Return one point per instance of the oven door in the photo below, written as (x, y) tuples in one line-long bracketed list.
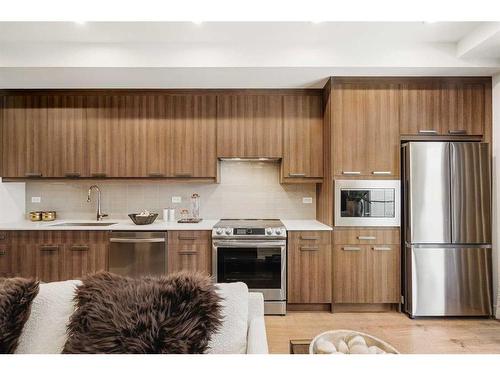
[(259, 264)]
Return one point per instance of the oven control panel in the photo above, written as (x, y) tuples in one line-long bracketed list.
[(249, 232)]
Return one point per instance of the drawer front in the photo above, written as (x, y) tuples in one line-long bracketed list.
[(309, 237), (366, 236), (190, 257), (188, 236)]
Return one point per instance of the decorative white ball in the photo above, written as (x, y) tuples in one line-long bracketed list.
[(356, 340), (359, 349), (325, 347), (342, 347)]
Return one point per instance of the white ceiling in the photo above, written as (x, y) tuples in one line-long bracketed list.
[(229, 54)]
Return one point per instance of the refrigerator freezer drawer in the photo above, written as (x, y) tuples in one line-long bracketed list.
[(449, 281)]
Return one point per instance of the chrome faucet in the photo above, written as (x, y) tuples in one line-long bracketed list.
[(100, 215)]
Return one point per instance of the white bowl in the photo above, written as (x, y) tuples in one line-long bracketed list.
[(334, 336)]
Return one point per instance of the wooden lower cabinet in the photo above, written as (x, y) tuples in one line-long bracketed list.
[(309, 267), (189, 251), (366, 273), (58, 255)]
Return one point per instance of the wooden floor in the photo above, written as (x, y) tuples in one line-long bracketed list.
[(420, 336)]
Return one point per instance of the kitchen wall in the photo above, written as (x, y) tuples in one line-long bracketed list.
[(12, 201), (246, 190)]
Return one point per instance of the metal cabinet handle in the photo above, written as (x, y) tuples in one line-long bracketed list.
[(351, 173), (156, 174), (458, 131), (98, 174), (49, 248), (367, 238), (309, 248), (32, 174), (381, 173), (382, 248), (183, 174), (79, 248), (136, 240), (188, 252), (427, 131), (72, 174), (187, 238), (3, 252), (296, 175), (351, 248), (309, 238)]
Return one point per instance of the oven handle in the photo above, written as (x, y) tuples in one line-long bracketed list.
[(249, 243)]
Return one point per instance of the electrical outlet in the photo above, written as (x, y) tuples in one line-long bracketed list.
[(176, 199), (307, 200), (36, 199)]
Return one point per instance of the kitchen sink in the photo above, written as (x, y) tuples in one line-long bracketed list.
[(96, 224)]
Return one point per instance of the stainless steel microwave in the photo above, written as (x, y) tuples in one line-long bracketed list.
[(367, 203)]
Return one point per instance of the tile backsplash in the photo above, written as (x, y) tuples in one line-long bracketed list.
[(246, 190)]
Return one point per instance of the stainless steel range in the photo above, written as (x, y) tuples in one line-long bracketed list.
[(254, 252)]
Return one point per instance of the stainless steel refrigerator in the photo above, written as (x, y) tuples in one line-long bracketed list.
[(446, 237)]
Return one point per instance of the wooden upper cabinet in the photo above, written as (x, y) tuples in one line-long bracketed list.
[(443, 107), (249, 126), (107, 130), (303, 137), (67, 132), (25, 143), (366, 129), (193, 136)]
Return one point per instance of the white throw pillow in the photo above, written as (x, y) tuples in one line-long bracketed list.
[(232, 336), (45, 329)]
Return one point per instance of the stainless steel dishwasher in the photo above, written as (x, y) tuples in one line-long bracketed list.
[(138, 253)]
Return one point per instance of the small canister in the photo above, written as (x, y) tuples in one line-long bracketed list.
[(35, 215), (171, 214), (48, 215)]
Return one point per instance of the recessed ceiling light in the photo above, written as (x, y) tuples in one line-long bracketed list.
[(80, 22), (197, 22)]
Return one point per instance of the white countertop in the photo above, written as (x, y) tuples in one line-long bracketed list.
[(305, 225), (125, 225), (158, 225)]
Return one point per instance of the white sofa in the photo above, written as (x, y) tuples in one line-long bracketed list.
[(243, 329)]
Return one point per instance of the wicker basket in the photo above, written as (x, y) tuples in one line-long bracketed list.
[(345, 334), (143, 220)]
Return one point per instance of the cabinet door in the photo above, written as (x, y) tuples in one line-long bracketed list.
[(303, 137), (189, 251), (385, 271), (366, 274), (309, 267), (24, 138), (463, 109), (421, 112), (85, 252), (8, 264), (66, 129), (107, 125), (352, 274), (366, 129), (249, 126), (193, 137)]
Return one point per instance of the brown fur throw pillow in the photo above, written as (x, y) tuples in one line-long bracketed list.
[(169, 314), (16, 296)]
